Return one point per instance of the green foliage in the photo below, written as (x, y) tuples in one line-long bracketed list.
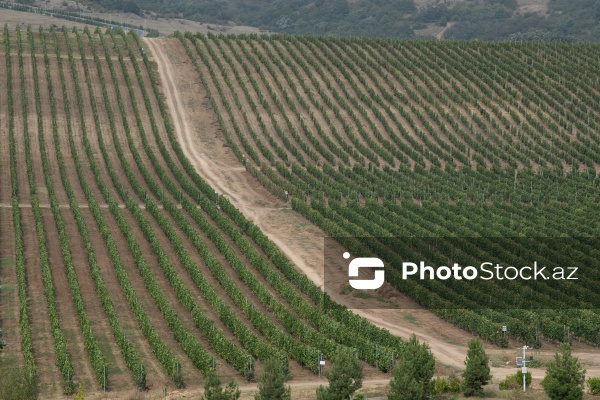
[(565, 377), (258, 149), (63, 358), (477, 372), (79, 395), (16, 384), (271, 384), (213, 390), (511, 4), (131, 359), (345, 377), (333, 17), (413, 375), (443, 385), (26, 343), (96, 357), (594, 385), (515, 381), (432, 13), (564, 21)]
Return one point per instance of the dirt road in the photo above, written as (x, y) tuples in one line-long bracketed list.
[(301, 241)]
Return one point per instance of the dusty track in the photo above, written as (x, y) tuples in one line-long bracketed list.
[(301, 241)]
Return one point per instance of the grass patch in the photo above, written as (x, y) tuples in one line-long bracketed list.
[(499, 360), (411, 319), (450, 341), (7, 262), (7, 287), (537, 362), (346, 289)]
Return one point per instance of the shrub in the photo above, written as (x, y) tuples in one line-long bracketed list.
[(594, 385), (515, 381), (14, 385), (442, 385)]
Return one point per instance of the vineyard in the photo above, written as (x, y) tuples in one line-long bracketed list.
[(129, 270), (377, 139)]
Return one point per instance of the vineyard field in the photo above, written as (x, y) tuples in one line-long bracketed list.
[(373, 138), (122, 268), (128, 270)]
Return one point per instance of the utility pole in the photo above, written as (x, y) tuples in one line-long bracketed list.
[(524, 369), (319, 361)]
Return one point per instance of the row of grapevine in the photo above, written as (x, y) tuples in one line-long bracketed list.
[(25, 328)]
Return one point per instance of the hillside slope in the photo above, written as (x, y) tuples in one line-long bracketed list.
[(455, 141), (301, 241), (539, 20), (128, 270)]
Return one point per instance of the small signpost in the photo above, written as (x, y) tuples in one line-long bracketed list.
[(321, 364)]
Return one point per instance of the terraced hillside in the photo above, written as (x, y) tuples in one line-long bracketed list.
[(378, 139), (128, 269)]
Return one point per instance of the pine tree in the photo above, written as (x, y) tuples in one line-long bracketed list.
[(413, 375), (345, 377), (564, 376), (271, 382), (477, 374), (214, 391), (79, 395)]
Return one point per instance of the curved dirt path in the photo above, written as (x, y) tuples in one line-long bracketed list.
[(300, 240)]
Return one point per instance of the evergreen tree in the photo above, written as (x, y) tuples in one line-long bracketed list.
[(271, 382), (413, 375), (477, 374), (564, 376), (2, 342), (345, 377), (214, 391), (79, 395)]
